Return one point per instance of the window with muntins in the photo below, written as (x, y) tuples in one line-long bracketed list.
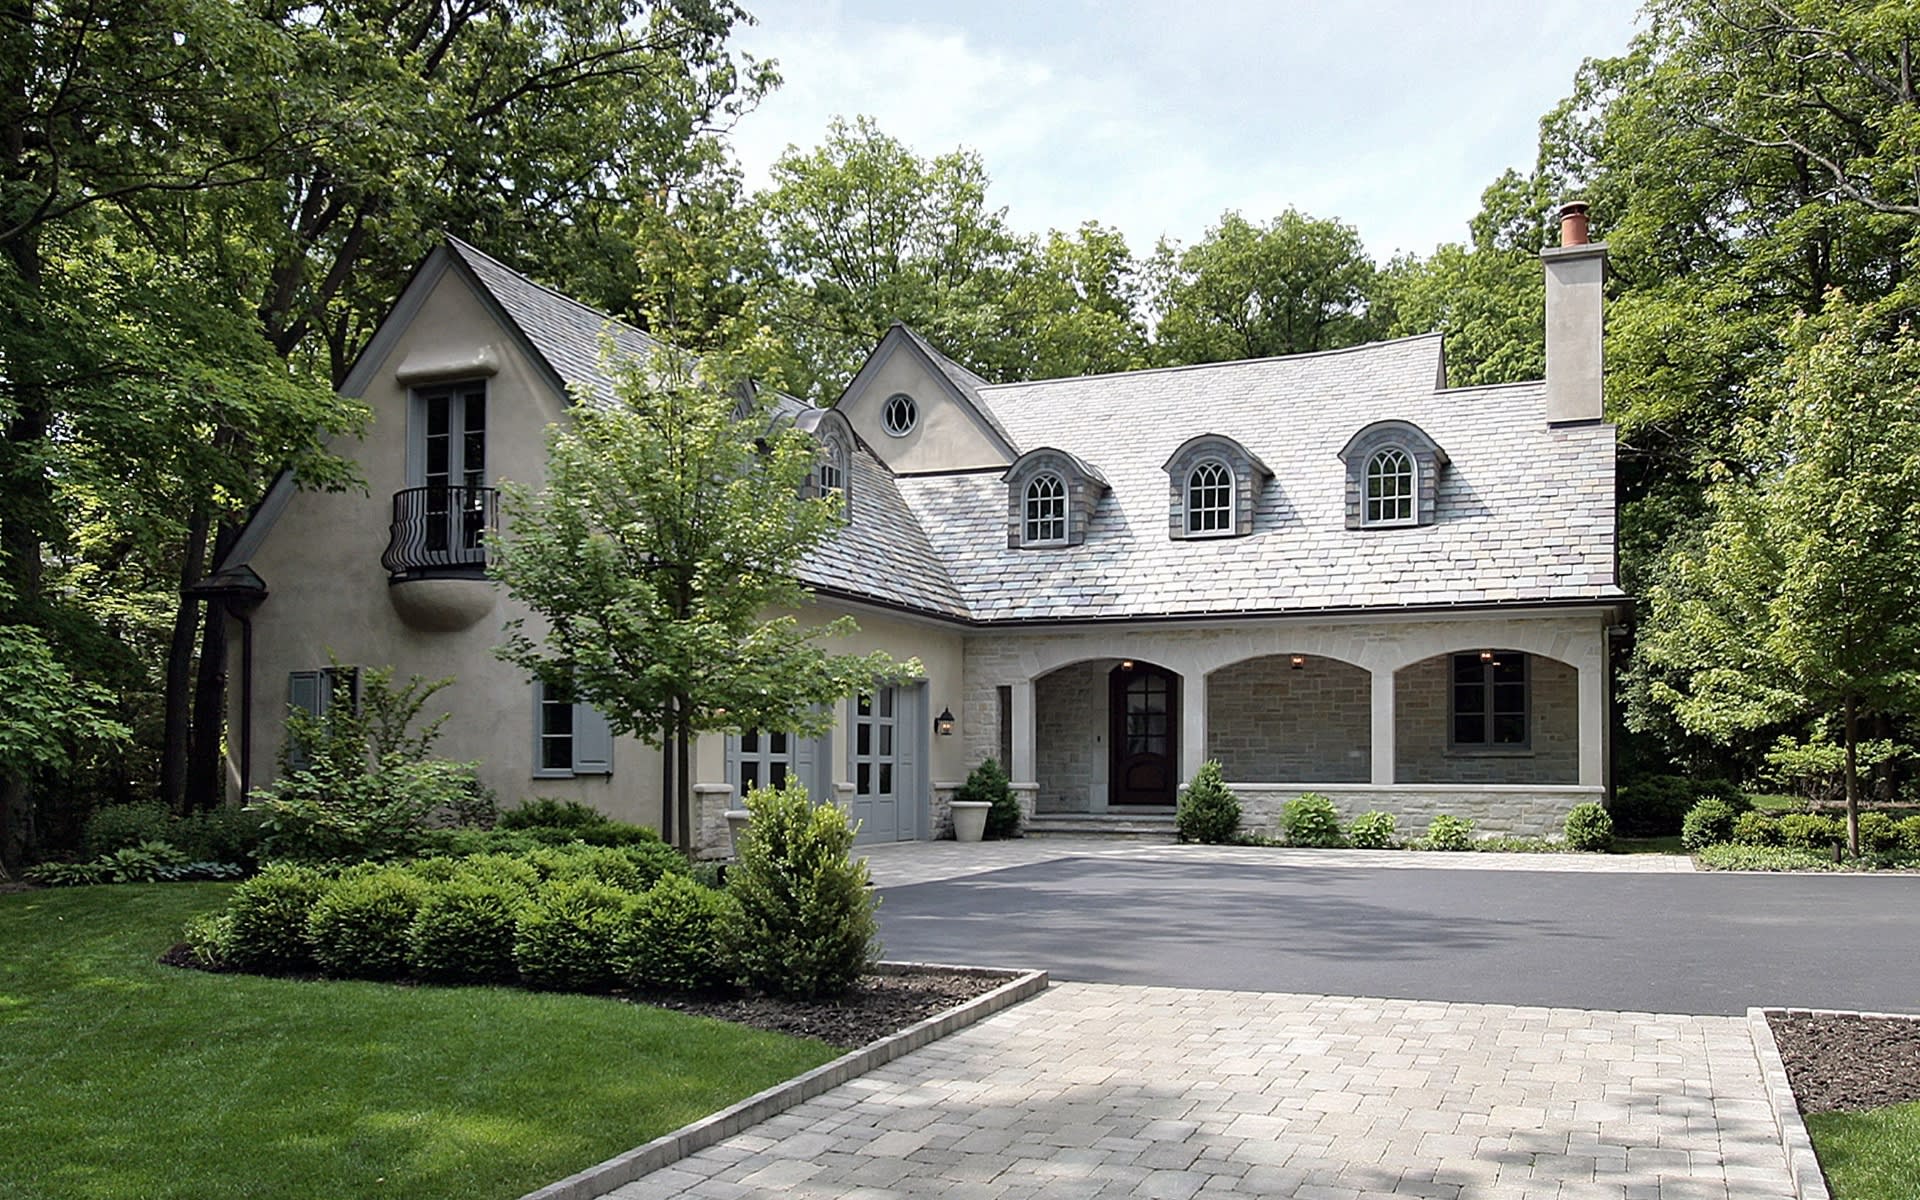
[(1210, 499), (900, 414), (832, 477), (764, 760), (1391, 485), (1046, 520), (570, 738), (1488, 706), (874, 752)]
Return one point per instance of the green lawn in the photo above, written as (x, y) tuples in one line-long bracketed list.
[(126, 1078), (1872, 1155)]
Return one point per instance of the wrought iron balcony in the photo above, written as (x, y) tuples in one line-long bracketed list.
[(440, 532)]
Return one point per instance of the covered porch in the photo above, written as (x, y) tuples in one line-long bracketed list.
[(1503, 721)]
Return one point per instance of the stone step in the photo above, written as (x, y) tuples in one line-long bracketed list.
[(1151, 823)]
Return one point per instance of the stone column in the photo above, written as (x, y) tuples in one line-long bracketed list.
[(1593, 724), (1380, 684), (1193, 724), (1025, 767)]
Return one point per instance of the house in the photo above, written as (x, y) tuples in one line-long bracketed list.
[(1329, 571)]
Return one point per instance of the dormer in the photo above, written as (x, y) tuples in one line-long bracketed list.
[(1212, 484), (1051, 496), (1393, 475), (834, 472), (919, 412)]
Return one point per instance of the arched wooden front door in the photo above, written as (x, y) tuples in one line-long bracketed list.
[(1144, 706)]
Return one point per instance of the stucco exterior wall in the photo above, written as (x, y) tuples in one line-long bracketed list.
[(1421, 700), (328, 591), (947, 437), (1267, 721), (1071, 705)]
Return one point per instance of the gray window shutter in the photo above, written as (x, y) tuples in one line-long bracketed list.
[(416, 440), (592, 742), (909, 740), (806, 758), (306, 691)]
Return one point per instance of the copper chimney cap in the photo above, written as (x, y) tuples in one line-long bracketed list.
[(1573, 223)]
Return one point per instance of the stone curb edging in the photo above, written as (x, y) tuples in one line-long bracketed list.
[(1809, 1182), (623, 1169)]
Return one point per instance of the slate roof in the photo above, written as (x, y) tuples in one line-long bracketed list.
[(883, 556), (1524, 512)]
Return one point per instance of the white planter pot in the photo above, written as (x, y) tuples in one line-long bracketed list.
[(737, 819), (969, 820)]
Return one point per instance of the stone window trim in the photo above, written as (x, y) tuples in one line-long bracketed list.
[(1081, 489), (1488, 747), (1246, 476), (1382, 438)]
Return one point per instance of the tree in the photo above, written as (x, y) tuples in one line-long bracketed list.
[(1803, 597), (661, 555), (864, 232), (1245, 290), (1074, 307)]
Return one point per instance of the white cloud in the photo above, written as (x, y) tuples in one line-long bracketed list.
[(1160, 116)]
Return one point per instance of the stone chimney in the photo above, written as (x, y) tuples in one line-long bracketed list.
[(1576, 271)]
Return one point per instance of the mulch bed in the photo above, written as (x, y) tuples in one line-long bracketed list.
[(879, 1005), (876, 1007), (1849, 1063)]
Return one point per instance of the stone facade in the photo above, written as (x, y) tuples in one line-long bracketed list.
[(1070, 708), (1497, 810), (1423, 756), (1267, 721)]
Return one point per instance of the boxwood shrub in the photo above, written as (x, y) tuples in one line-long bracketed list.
[(1448, 832), (669, 938), (1208, 812), (1311, 820), (1909, 831), (564, 934), (1756, 829), (1878, 832), (632, 868), (1373, 831), (1588, 827), (269, 913), (1708, 823), (1811, 831), (358, 927), (463, 931)]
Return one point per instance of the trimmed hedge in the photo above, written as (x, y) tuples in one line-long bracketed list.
[(464, 930), (269, 911), (1588, 827), (1447, 832), (1708, 823), (1311, 820), (358, 928), (669, 937), (564, 935)]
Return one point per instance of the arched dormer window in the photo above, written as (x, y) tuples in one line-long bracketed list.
[(831, 474), (1393, 473), (1213, 483), (1051, 496), (1045, 522), (1392, 484), (1210, 499)]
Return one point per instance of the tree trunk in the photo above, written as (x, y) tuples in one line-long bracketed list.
[(205, 787), (683, 748), (178, 695), (668, 795), (1853, 778)]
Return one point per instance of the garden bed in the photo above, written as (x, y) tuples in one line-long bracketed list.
[(1844, 1062)]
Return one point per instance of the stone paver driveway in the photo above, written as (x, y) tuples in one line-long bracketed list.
[(1101, 1090)]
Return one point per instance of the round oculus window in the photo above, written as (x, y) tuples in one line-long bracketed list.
[(900, 414)]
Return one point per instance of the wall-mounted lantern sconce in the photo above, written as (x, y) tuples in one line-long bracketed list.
[(1298, 662), (1126, 664), (1486, 656), (943, 724)]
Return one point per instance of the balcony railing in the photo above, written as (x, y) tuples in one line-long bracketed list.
[(440, 531)]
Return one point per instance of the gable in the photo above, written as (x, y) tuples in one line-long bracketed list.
[(951, 430)]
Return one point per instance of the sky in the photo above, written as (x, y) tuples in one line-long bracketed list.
[(1156, 116)]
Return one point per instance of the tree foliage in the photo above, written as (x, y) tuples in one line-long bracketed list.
[(662, 558)]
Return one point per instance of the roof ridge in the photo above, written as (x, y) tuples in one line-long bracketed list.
[(1232, 362), (465, 247)]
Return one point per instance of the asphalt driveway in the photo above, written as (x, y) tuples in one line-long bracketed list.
[(1674, 943)]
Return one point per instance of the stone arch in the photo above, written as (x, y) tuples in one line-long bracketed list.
[(1425, 751)]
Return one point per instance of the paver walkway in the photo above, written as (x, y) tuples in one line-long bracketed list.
[(1101, 1090), (898, 864)]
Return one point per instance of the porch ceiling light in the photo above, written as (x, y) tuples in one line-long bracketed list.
[(1486, 656), (1126, 664), (1298, 662), (943, 724)]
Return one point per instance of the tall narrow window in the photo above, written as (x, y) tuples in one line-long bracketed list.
[(1046, 517), (1489, 700), (450, 448), (569, 737), (1210, 499), (556, 730), (830, 475), (1390, 488), (874, 754)]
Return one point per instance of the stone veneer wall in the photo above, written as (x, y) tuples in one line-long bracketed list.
[(1070, 733), (942, 823), (1267, 721), (1497, 810), (1420, 709)]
